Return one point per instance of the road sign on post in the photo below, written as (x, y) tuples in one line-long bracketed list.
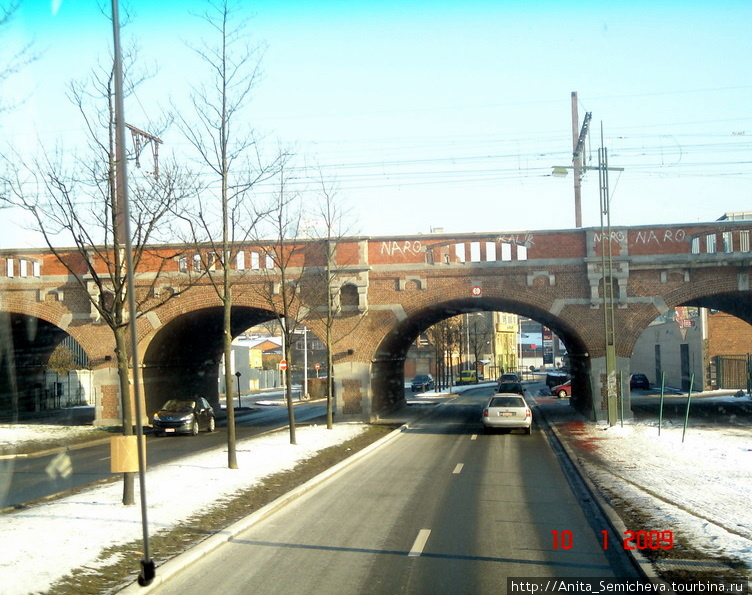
[(283, 364)]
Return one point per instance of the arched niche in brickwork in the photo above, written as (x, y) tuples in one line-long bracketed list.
[(349, 299)]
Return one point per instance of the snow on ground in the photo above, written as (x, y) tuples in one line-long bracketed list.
[(698, 488), (13, 434), (77, 528)]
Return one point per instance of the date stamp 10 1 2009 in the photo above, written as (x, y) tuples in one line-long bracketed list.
[(630, 540)]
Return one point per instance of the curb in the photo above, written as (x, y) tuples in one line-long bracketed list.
[(182, 561), (617, 526)]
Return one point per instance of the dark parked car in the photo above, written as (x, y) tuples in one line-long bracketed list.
[(510, 387), (509, 377), (422, 383), (184, 416), (639, 381)]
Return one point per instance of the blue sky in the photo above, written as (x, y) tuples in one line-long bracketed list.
[(452, 114)]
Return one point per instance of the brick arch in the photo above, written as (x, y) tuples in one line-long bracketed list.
[(183, 355), (29, 341), (710, 293), (388, 359)]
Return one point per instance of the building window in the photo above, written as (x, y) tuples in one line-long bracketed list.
[(269, 261), (728, 242), (23, 264), (255, 261), (521, 252), (36, 269), (197, 262), (695, 245), (744, 241), (710, 243), (240, 261), (9, 267), (183, 264)]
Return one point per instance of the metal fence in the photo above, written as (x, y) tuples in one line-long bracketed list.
[(733, 371)]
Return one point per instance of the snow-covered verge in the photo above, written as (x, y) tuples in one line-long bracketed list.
[(28, 438), (77, 528), (698, 488)]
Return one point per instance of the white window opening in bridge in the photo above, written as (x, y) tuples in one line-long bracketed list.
[(9, 267), (197, 262), (269, 261), (474, 251), (23, 267), (521, 252), (506, 252), (490, 251), (744, 241), (183, 264), (36, 268), (459, 251), (695, 245), (240, 261), (255, 261), (728, 242), (710, 243)]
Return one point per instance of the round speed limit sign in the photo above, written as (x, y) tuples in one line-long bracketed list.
[(476, 291)]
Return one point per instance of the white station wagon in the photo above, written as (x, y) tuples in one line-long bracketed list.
[(507, 411)]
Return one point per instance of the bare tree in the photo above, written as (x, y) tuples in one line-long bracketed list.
[(13, 62), (228, 150), (332, 216), (445, 337), (287, 287), (76, 200)]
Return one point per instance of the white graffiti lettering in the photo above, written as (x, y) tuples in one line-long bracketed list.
[(614, 236), (520, 240), (668, 236), (396, 249)]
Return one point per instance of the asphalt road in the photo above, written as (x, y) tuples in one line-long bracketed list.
[(441, 509), (29, 479)]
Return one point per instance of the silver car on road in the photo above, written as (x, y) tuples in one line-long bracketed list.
[(507, 411)]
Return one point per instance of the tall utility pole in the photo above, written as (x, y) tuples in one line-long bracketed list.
[(576, 163), (123, 216), (578, 146), (607, 279)]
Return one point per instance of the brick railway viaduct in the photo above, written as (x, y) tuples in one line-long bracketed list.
[(387, 290)]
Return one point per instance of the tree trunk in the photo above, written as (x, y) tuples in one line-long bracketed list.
[(288, 391), (232, 459), (329, 350)]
